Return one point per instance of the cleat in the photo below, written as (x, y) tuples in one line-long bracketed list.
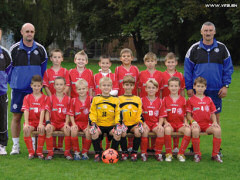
[(97, 158), (49, 156), (197, 158), (124, 157), (175, 150), (133, 157), (68, 155), (159, 157), (77, 157), (217, 158), (144, 157), (181, 157), (85, 156), (130, 149), (40, 156), (15, 150), (191, 149), (220, 153), (30, 156), (169, 157), (3, 150)]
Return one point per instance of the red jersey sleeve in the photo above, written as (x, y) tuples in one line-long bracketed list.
[(25, 105), (189, 106), (182, 81), (42, 107), (72, 107), (115, 82), (67, 78), (46, 79), (162, 110), (91, 85), (48, 104)]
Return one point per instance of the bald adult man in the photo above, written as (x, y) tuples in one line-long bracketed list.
[(29, 58)]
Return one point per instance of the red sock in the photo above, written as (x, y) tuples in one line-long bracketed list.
[(40, 144), (184, 144), (54, 142), (144, 145), (86, 146), (28, 141), (196, 145), (153, 141), (67, 143), (159, 142), (216, 146), (168, 146), (83, 141), (175, 142), (49, 143), (60, 141), (75, 144), (108, 143), (130, 142)]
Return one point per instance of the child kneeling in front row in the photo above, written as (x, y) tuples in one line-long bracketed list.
[(176, 120), (153, 111), (104, 117), (57, 119), (78, 112), (131, 117), (33, 108), (201, 112)]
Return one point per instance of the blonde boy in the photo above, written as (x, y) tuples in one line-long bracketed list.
[(81, 72), (78, 112)]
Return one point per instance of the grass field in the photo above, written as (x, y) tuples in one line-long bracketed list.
[(19, 167)]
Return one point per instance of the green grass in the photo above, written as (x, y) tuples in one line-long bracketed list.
[(19, 167)]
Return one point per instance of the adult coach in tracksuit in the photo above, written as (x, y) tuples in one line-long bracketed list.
[(28, 58), (5, 66), (211, 60)]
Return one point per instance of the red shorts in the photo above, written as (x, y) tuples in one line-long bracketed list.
[(58, 126), (176, 126), (152, 125), (204, 126), (81, 125)]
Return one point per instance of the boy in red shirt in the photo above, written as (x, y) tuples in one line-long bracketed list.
[(56, 56), (33, 108), (153, 109), (171, 63), (56, 117), (176, 120), (81, 72), (78, 112), (126, 56), (201, 113)]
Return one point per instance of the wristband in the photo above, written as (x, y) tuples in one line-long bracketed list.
[(48, 122)]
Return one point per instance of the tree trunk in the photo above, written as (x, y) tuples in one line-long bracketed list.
[(139, 44)]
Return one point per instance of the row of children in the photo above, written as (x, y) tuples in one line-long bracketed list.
[(116, 116)]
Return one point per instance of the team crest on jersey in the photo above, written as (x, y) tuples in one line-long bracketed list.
[(216, 50), (156, 113), (15, 106), (179, 111), (85, 111), (1, 56), (64, 110), (105, 106), (129, 107), (36, 52), (77, 113), (207, 108)]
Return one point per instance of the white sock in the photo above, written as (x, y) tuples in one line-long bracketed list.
[(15, 141)]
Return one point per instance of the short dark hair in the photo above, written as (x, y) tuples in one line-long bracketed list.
[(129, 79), (174, 79), (36, 78), (60, 77), (200, 80)]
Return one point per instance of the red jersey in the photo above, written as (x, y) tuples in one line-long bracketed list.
[(57, 108), (97, 78), (176, 109), (50, 75), (74, 75), (120, 72), (144, 76), (201, 109), (79, 109), (152, 110), (166, 76), (34, 106)]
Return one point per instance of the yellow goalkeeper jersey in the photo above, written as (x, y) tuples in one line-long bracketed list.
[(105, 111), (131, 107)]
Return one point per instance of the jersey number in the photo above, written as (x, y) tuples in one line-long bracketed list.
[(104, 114), (173, 110)]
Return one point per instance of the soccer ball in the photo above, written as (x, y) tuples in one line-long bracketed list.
[(110, 156)]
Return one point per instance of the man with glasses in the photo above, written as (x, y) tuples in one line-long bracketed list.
[(28, 58)]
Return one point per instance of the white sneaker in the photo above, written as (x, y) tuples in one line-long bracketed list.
[(181, 157), (15, 150), (3, 150), (176, 150), (168, 157)]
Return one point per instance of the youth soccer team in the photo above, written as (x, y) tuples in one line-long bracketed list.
[(108, 103)]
